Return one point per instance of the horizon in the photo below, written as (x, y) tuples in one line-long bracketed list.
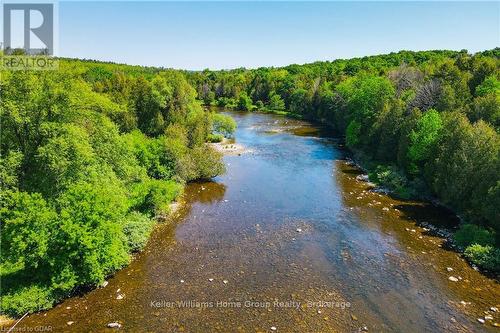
[(228, 35), (282, 66)]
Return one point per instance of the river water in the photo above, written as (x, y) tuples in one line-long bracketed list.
[(288, 240)]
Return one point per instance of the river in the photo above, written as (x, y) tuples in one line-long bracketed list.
[(288, 240)]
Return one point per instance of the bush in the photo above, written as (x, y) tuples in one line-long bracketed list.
[(27, 222), (27, 299), (201, 163), (137, 227), (486, 257), (161, 194), (89, 243), (393, 179), (469, 234), (215, 138), (259, 105), (227, 102)]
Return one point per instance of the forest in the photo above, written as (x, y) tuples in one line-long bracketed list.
[(94, 153)]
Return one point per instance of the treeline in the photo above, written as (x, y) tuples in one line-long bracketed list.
[(425, 124), (91, 154)]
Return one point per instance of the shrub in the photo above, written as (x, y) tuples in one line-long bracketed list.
[(27, 222), (201, 163), (137, 227), (393, 179), (486, 257), (89, 243), (469, 234), (27, 299), (215, 138), (259, 105), (161, 194)]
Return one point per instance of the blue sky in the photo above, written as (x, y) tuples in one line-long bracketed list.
[(215, 35)]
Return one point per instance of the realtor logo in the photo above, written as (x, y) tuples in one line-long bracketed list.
[(30, 27)]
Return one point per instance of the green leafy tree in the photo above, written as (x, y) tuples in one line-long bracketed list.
[(423, 139), (276, 102), (223, 124), (244, 102)]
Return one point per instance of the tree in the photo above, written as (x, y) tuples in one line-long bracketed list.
[(223, 124), (276, 102), (423, 138), (244, 102)]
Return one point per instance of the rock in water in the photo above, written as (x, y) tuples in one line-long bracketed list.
[(114, 325), (452, 278)]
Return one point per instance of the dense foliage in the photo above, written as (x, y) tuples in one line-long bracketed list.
[(422, 122), (90, 155)]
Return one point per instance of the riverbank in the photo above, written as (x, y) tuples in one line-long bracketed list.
[(462, 238)]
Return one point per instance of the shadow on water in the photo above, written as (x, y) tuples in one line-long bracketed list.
[(438, 216)]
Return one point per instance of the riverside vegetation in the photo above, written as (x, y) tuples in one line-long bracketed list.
[(92, 153)]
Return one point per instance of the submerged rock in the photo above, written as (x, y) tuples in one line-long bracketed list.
[(114, 325), (452, 278)]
